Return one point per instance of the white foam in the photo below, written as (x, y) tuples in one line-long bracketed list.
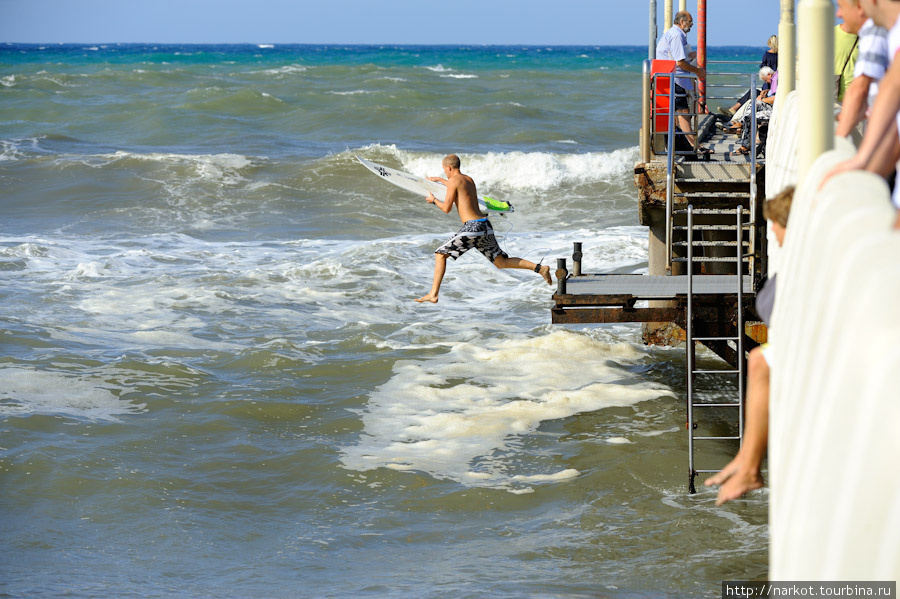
[(451, 416), (25, 391), (459, 76), (221, 168), (522, 171)]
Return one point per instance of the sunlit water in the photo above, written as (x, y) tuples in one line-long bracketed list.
[(214, 381)]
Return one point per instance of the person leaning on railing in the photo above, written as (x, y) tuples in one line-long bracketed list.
[(880, 148)]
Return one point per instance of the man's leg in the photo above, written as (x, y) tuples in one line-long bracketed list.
[(503, 262), (684, 123), (440, 267)]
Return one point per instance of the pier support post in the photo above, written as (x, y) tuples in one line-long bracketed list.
[(576, 259), (787, 51), (816, 37), (668, 16), (561, 275), (651, 49)]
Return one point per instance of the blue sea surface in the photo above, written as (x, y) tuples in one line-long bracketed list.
[(215, 381)]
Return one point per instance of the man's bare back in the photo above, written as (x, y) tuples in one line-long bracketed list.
[(462, 192)]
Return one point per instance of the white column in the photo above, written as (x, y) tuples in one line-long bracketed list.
[(787, 51), (816, 82)]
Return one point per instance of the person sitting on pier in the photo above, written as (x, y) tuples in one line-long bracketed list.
[(769, 59), (673, 46), (742, 474), (476, 231), (764, 105)]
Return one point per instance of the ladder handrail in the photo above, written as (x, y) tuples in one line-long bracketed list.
[(670, 164)]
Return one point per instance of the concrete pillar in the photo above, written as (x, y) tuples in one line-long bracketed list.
[(682, 5), (668, 16), (787, 51), (651, 54), (816, 42)]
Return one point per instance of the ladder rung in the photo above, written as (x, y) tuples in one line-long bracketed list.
[(716, 405), (713, 243), (710, 211), (706, 471), (709, 259), (716, 371), (714, 338), (712, 194), (712, 227), (716, 438)]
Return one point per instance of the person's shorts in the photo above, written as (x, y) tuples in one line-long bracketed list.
[(476, 234), (681, 99)]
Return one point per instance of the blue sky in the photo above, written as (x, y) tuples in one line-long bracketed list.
[(589, 22)]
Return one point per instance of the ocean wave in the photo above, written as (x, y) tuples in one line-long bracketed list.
[(519, 171), (222, 168)]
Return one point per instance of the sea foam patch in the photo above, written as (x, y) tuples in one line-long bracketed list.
[(460, 416), (24, 391)]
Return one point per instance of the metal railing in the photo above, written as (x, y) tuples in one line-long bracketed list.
[(670, 113)]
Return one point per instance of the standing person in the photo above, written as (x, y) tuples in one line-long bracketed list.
[(871, 64), (673, 45), (880, 148), (476, 231), (846, 44)]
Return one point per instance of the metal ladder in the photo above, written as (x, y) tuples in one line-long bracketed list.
[(738, 338)]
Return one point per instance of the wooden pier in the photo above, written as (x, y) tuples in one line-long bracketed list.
[(714, 189)]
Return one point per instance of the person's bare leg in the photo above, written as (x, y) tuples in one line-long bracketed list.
[(440, 267), (544, 271), (742, 475), (684, 123)]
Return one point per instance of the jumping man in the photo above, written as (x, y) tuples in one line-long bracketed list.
[(476, 231)]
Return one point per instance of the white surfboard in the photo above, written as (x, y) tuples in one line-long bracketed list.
[(422, 186)]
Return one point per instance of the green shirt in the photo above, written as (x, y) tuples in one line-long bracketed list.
[(843, 43)]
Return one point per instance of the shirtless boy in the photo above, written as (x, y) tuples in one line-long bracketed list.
[(476, 231)]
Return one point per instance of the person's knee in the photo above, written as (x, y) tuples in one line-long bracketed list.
[(757, 366)]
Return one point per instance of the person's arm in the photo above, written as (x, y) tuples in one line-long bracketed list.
[(447, 205), (856, 100), (685, 65), (884, 160), (881, 124)]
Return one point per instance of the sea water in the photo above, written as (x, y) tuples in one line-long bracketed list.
[(215, 382)]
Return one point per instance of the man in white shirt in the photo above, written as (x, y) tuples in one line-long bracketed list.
[(673, 46)]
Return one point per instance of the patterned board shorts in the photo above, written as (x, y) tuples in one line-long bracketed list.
[(476, 234)]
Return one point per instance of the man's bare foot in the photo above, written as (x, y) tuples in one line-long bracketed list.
[(428, 298), (736, 480), (545, 272)]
